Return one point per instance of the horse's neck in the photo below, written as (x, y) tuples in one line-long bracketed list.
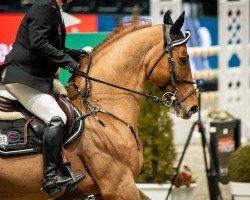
[(122, 63)]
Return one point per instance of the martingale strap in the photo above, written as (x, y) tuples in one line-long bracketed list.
[(94, 110), (26, 129)]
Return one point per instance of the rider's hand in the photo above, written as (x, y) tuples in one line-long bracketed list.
[(76, 54)]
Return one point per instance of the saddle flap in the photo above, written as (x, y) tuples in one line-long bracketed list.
[(68, 109)]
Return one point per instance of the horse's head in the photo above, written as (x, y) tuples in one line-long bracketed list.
[(170, 70)]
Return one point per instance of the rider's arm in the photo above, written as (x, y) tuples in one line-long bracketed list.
[(40, 28)]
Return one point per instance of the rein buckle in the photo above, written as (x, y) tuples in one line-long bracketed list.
[(169, 98)]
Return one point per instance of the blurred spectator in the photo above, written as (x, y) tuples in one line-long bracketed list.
[(210, 7), (198, 8), (29, 2), (15, 5), (195, 8)]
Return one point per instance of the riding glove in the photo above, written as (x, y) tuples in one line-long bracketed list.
[(76, 55)]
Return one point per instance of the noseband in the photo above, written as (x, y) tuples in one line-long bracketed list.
[(170, 98)]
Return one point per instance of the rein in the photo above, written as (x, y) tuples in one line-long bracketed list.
[(147, 95)]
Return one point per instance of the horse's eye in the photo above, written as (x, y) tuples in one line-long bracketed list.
[(183, 60)]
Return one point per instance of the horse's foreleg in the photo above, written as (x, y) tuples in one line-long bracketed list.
[(143, 196), (123, 190), (117, 184)]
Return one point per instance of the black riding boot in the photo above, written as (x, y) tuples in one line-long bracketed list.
[(52, 146)]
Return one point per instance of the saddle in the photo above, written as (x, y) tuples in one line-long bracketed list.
[(21, 132)]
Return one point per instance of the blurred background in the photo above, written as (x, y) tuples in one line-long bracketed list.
[(198, 8), (106, 15)]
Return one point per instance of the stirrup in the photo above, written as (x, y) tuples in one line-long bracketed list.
[(56, 189), (75, 178)]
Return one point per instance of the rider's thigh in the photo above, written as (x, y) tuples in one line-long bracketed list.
[(40, 104)]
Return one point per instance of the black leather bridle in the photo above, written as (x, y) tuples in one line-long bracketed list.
[(170, 97)]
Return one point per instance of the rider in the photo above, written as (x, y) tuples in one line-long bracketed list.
[(38, 51)]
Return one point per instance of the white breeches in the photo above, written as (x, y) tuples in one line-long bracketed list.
[(40, 104)]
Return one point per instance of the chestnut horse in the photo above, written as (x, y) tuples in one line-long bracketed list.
[(111, 156)]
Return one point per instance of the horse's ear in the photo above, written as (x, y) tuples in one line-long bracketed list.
[(167, 18), (176, 28)]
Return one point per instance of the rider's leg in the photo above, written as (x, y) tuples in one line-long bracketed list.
[(52, 146), (5, 93), (40, 104), (46, 108)]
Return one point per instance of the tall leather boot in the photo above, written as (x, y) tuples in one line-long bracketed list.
[(54, 183)]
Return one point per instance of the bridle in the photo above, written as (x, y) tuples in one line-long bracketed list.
[(170, 97)]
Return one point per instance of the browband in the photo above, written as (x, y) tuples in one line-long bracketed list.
[(182, 41)]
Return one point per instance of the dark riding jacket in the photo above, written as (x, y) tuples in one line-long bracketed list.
[(39, 48)]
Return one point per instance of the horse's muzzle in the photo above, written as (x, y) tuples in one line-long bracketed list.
[(191, 111)]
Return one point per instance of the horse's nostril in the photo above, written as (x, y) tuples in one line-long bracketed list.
[(194, 109)]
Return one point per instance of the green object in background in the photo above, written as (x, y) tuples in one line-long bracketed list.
[(156, 134), (239, 165), (79, 41)]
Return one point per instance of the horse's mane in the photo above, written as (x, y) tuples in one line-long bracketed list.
[(114, 36), (122, 31)]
